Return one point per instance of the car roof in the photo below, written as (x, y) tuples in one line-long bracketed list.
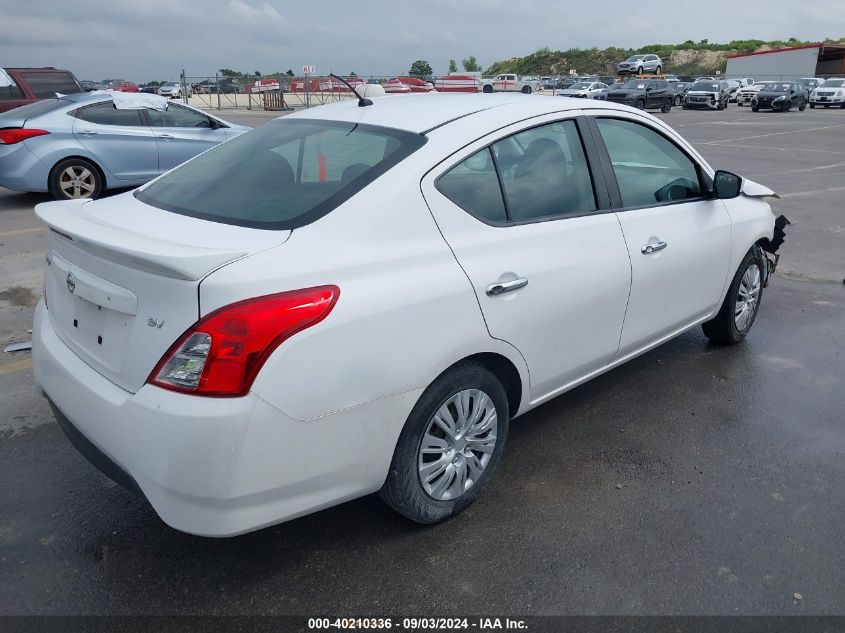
[(423, 113)]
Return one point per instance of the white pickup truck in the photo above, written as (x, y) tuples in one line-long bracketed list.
[(510, 83)]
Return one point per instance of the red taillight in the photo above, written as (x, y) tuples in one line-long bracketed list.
[(223, 352), (13, 135)]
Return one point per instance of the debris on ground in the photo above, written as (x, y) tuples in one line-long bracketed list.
[(18, 347)]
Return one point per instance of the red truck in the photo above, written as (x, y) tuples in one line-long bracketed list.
[(19, 86)]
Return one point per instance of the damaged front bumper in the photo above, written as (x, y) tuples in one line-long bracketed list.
[(769, 247)]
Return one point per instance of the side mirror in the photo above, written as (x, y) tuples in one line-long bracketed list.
[(726, 185)]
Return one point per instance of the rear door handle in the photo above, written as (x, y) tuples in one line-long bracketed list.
[(652, 247), (87, 132), (166, 137), (501, 287)]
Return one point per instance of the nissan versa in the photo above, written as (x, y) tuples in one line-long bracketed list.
[(359, 299)]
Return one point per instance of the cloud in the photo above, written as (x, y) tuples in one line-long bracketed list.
[(244, 11)]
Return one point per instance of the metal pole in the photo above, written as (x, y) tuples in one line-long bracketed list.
[(307, 88), (217, 83), (184, 87)]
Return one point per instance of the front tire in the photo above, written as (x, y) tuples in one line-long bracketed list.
[(739, 309), (667, 108), (803, 106), (488, 89), (75, 178), (640, 104), (450, 445)]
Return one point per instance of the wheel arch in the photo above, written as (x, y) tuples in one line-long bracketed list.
[(504, 370)]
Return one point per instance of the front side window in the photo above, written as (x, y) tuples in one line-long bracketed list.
[(47, 84), (177, 116), (286, 174), (649, 168), (106, 114)]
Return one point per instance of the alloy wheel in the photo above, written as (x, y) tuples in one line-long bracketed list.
[(457, 445), (77, 182), (747, 297)]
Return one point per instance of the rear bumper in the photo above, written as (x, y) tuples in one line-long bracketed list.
[(21, 170), (215, 466)]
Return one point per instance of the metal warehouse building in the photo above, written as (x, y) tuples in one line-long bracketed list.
[(815, 60)]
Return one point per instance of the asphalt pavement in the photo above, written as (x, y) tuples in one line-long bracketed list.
[(695, 479)]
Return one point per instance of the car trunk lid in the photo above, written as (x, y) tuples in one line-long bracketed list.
[(123, 278)]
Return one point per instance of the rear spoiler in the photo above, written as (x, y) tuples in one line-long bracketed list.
[(69, 221)]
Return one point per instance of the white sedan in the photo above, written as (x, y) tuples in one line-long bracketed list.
[(358, 299), (584, 89)]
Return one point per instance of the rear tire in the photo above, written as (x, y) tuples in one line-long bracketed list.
[(739, 309), (755, 109), (75, 178), (803, 106), (526, 90), (659, 70), (439, 499)]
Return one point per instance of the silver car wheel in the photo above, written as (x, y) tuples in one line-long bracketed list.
[(77, 182), (457, 445), (747, 297)]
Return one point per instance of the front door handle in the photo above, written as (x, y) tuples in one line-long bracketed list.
[(652, 247), (166, 137), (87, 132), (501, 287)]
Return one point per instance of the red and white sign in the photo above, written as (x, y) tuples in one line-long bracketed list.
[(458, 83), (309, 70)]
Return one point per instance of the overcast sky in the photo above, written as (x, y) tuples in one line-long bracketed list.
[(153, 39)]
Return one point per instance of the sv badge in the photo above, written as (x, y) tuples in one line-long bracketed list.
[(154, 322)]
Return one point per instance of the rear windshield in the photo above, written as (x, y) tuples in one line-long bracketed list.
[(34, 109), (283, 175), (47, 84)]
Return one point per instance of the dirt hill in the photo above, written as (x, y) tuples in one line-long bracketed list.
[(689, 58)]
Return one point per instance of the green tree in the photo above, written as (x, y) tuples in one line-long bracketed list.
[(453, 66), (420, 68), (353, 74), (257, 74), (470, 64), (228, 72), (289, 72)]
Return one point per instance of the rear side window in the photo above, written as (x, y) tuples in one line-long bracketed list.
[(649, 168), (474, 186), (7, 93), (47, 84), (34, 109), (106, 114), (286, 174), (543, 174)]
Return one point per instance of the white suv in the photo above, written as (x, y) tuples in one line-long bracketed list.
[(831, 93)]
